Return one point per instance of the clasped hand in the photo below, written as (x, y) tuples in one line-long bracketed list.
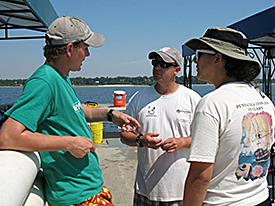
[(169, 145)]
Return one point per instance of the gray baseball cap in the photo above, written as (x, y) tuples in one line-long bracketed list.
[(67, 29), (224, 40), (168, 54)]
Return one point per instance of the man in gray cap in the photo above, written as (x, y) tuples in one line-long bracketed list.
[(49, 118), (165, 111), (233, 126)]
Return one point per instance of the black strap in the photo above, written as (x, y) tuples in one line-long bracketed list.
[(110, 115)]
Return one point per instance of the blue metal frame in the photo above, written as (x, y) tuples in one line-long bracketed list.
[(258, 25), (42, 11)]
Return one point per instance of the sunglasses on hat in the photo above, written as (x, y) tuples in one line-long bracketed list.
[(162, 64), (200, 52)]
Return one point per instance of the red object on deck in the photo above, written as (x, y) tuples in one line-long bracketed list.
[(119, 98)]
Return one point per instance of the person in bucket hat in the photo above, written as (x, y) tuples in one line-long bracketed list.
[(165, 111), (48, 117), (233, 126)]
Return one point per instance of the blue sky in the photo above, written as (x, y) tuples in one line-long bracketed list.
[(132, 29)]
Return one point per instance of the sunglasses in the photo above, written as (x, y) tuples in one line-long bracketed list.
[(200, 52), (162, 64)]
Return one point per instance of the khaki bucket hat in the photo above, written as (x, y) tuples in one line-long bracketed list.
[(227, 41)]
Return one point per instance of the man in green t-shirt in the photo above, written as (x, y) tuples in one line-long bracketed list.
[(49, 118)]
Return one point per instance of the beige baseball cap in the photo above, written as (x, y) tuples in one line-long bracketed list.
[(67, 29), (168, 54)]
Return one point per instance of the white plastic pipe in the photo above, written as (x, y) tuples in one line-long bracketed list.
[(36, 196), (18, 171)]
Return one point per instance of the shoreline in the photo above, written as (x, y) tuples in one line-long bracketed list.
[(116, 85), (111, 85), (122, 85)]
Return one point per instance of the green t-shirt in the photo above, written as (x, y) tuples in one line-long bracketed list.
[(49, 105)]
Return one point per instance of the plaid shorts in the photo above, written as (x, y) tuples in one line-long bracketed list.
[(140, 200), (104, 198)]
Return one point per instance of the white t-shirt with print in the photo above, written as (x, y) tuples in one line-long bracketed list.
[(161, 176), (233, 128)]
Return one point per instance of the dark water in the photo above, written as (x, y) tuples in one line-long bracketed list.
[(101, 95), (9, 95)]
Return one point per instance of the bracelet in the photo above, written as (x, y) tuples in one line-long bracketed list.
[(138, 142), (110, 115)]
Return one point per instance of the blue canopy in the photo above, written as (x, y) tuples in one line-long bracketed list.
[(35, 15), (259, 29)]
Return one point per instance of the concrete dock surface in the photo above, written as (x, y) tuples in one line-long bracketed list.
[(118, 163)]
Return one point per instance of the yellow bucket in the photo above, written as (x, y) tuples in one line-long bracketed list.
[(97, 131), (91, 104)]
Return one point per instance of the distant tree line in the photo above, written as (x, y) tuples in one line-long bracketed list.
[(12, 82), (121, 80)]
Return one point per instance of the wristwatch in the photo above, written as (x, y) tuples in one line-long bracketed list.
[(138, 142), (110, 115)]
